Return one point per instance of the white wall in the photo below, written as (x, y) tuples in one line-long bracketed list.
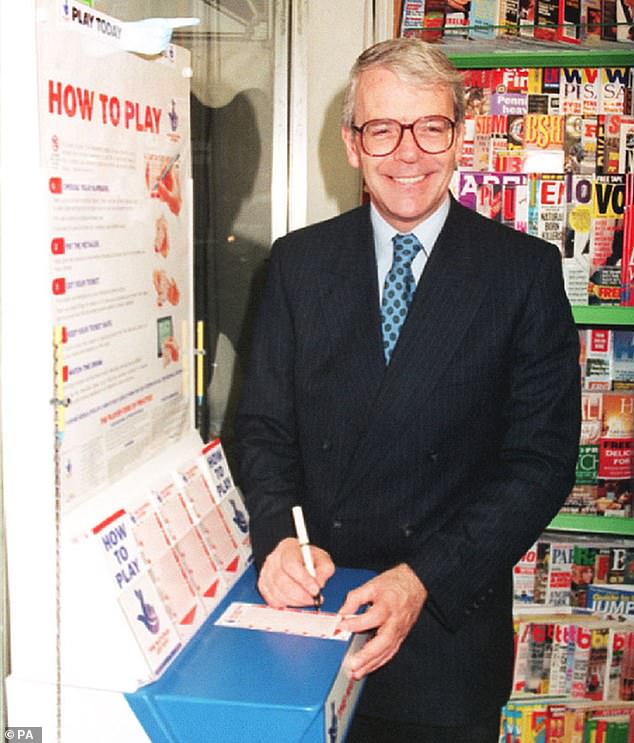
[(327, 37)]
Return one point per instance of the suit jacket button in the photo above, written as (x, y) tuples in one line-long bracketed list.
[(432, 456), (407, 530), (337, 524), (326, 445)]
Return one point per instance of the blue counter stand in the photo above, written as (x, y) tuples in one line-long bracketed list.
[(245, 686)]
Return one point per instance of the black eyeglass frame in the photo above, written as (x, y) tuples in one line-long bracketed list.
[(359, 131)]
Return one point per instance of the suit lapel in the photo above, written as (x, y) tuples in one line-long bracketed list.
[(447, 296), (350, 299)]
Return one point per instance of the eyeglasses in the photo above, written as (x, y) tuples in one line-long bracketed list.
[(432, 134)]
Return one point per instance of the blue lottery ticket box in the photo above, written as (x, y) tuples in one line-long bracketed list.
[(233, 685)]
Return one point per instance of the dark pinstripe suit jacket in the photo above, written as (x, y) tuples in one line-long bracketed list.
[(453, 459)]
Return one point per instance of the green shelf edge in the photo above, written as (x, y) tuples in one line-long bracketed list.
[(556, 57), (605, 315), (581, 522)]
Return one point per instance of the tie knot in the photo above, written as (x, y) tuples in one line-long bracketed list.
[(406, 248)]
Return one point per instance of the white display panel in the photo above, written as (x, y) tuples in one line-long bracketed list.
[(115, 155)]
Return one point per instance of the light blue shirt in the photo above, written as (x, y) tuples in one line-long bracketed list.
[(427, 233)]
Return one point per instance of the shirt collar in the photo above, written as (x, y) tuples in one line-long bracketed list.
[(426, 231)]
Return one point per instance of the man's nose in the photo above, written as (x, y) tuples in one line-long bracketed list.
[(407, 148)]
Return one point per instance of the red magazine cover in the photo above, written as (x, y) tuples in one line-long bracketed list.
[(423, 19), (570, 16), (627, 260), (597, 662), (509, 90), (551, 217), (615, 457), (546, 20)]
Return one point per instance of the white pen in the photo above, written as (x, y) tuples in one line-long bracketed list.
[(304, 544)]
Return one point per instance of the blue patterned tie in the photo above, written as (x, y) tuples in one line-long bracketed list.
[(398, 290)]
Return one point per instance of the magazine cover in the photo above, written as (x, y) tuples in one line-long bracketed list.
[(573, 147), (590, 90), (543, 90), (608, 143), (580, 661), (559, 578), (457, 18), (527, 18), (551, 218), (570, 18), (570, 91), (606, 240), (484, 16), (576, 238), (562, 646), (614, 85), (509, 17), (583, 570), (593, 20), (597, 662), (627, 260), (626, 145), (544, 143), (597, 356), (589, 133), (499, 196), (509, 90), (623, 359), (617, 639), (539, 657), (524, 573), (591, 417), (546, 20), (423, 19), (615, 458), (608, 20), (624, 20), (612, 600)]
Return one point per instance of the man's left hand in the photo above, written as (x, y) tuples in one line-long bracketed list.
[(395, 599)]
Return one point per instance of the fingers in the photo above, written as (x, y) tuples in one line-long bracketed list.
[(182, 22), (284, 579), (395, 599), (151, 35), (357, 598), (324, 566), (376, 652)]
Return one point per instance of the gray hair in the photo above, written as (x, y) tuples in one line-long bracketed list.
[(413, 61)]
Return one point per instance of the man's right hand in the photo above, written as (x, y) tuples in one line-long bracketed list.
[(284, 580)]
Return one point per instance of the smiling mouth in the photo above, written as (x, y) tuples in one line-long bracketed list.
[(411, 180)]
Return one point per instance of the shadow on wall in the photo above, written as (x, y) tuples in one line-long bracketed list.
[(228, 263), (341, 181)]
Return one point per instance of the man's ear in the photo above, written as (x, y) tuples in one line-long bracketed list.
[(350, 141)]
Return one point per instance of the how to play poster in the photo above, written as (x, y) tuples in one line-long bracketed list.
[(115, 155)]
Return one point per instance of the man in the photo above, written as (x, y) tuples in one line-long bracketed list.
[(436, 461)]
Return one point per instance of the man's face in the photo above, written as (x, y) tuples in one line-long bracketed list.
[(408, 185)]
